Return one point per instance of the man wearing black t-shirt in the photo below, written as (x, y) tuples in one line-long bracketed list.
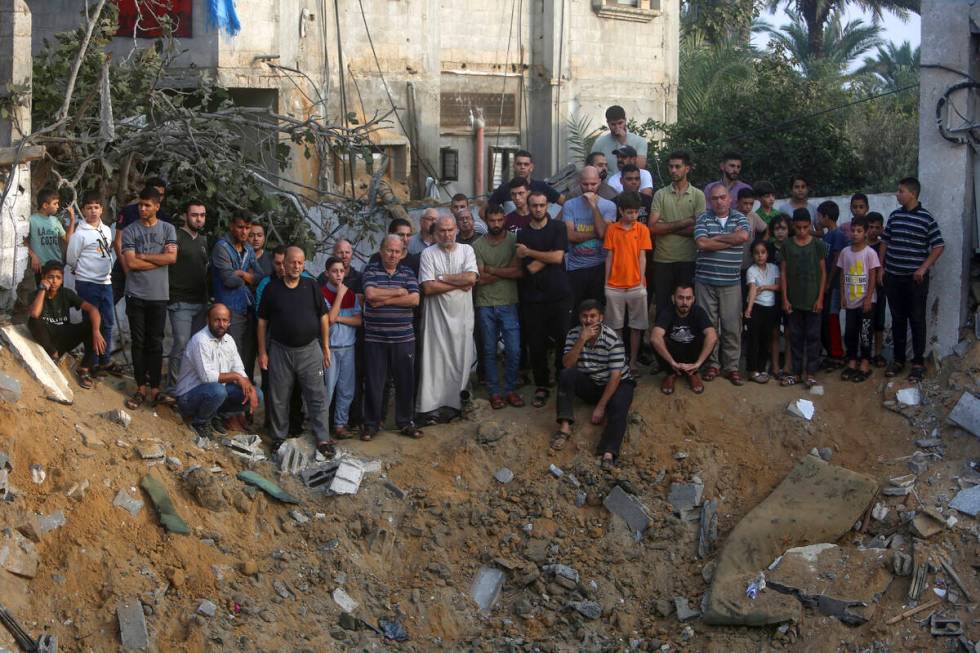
[(546, 296), (684, 336), (295, 316), (523, 167), (519, 218)]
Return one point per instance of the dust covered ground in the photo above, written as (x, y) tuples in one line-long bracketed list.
[(408, 545)]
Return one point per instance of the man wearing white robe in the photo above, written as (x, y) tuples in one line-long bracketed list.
[(447, 274)]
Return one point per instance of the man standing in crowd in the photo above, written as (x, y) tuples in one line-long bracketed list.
[(520, 217), (913, 244), (597, 160), (424, 237), (595, 370), (586, 260), (47, 237), (626, 156), (391, 292), (344, 250), (799, 192), (546, 296), (263, 260), (617, 138), (683, 337), (212, 383), (720, 234), (188, 287), (90, 258), (294, 316), (523, 167), (466, 233), (148, 248), (447, 274), (235, 273), (496, 307), (461, 203), (630, 176), (127, 216), (673, 214), (731, 170)]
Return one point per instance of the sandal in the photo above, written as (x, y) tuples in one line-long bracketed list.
[(697, 387), (497, 402), (368, 433), (810, 382), (879, 361), (788, 380), (848, 373), (113, 369), (735, 377), (409, 431), (710, 374), (558, 440), (515, 400), (894, 369), (85, 379), (328, 448), (667, 385), (607, 464), (540, 397), (341, 433), (135, 401), (861, 377), (917, 373)]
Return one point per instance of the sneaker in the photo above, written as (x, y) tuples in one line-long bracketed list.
[(203, 430), (218, 426)]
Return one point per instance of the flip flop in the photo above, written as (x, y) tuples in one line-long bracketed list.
[(540, 397), (136, 400), (558, 440), (409, 431), (85, 380), (861, 377), (788, 380)]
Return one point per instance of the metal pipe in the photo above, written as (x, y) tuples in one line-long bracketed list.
[(478, 154)]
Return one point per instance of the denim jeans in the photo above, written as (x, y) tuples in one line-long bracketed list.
[(99, 295), (209, 400), (496, 322), (186, 319), (340, 380)]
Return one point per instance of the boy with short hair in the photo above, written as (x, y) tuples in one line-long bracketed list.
[(876, 224), (89, 256), (803, 277), (345, 319), (627, 242), (859, 276), (827, 215), (765, 192), (49, 321), (47, 237)]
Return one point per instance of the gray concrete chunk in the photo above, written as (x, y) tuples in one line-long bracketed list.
[(966, 413), (38, 363), (504, 475), (207, 608), (486, 587), (119, 416), (684, 611), (685, 497), (9, 389), (132, 625), (588, 609), (629, 509), (126, 502), (967, 501)]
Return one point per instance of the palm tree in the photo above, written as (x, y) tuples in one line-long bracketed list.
[(706, 69), (893, 66), (840, 44), (815, 14)]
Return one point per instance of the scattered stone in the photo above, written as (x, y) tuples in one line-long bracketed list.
[(485, 589), (967, 501), (37, 526), (89, 438), (250, 567), (248, 447), (344, 600), (119, 416), (38, 474), (132, 625), (504, 475), (580, 498), (562, 572), (281, 589), (555, 470), (664, 608), (394, 489), (684, 611), (588, 609), (299, 517), (918, 463), (151, 451), (685, 497), (206, 489), (490, 432), (909, 396), (817, 391), (966, 413), (128, 503), (173, 464), (38, 363), (826, 453), (902, 564), (879, 512), (929, 443), (802, 408), (78, 490), (10, 390), (629, 508), (925, 525), (899, 486), (18, 555), (680, 455), (207, 608)]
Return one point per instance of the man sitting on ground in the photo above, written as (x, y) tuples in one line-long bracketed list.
[(595, 371), (50, 324), (212, 382), (684, 337)]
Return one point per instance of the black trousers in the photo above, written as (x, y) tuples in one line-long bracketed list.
[(859, 333), (804, 340), (547, 325), (761, 324), (380, 360), (574, 383), (61, 339), (666, 276), (907, 301), (147, 320), (588, 283)]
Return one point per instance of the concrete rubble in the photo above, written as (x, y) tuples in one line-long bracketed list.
[(127, 502), (37, 526), (246, 447), (18, 555), (630, 509), (802, 408), (119, 416), (344, 600), (132, 625), (485, 589), (966, 413), (10, 389), (967, 501), (37, 362), (504, 475)]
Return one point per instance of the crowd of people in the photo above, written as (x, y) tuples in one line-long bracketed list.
[(577, 296)]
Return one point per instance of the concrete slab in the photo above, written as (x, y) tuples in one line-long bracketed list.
[(967, 501), (37, 362), (132, 625), (18, 555), (344, 600), (128, 503), (628, 508), (486, 587), (685, 497), (966, 413)]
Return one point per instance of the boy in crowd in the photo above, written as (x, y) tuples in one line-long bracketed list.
[(47, 237), (876, 224), (263, 259), (50, 324), (827, 215), (520, 217), (859, 268), (90, 258), (798, 199), (765, 192), (345, 319), (803, 277), (627, 243)]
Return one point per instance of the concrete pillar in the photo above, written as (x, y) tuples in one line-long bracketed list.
[(15, 71), (945, 168), (549, 59)]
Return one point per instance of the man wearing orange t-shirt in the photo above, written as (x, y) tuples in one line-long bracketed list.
[(627, 242)]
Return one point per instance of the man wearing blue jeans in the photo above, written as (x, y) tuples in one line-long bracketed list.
[(496, 306), (212, 379), (90, 258), (188, 287)]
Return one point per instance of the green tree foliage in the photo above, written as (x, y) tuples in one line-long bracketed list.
[(719, 21), (841, 44), (893, 66)]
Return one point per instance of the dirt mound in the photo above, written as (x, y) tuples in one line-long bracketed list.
[(407, 547)]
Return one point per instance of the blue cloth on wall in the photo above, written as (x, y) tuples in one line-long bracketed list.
[(222, 15)]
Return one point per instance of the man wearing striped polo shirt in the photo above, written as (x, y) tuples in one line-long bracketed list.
[(719, 234), (391, 291), (912, 246)]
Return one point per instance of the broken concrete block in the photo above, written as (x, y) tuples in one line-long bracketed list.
[(684, 611), (802, 408), (248, 447), (901, 564), (347, 478), (685, 497), (37, 526), (562, 571), (89, 438), (485, 589), (10, 390), (966, 413), (918, 463), (119, 416), (18, 555), (817, 391), (207, 608), (292, 459), (38, 474), (344, 600), (38, 363), (588, 609), (504, 475), (909, 396), (78, 490), (925, 525), (151, 451), (967, 501), (132, 625), (555, 470), (879, 512), (128, 503), (299, 517), (708, 528), (628, 508)]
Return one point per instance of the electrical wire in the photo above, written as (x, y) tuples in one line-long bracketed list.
[(342, 76)]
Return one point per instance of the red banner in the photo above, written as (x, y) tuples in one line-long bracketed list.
[(143, 17)]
